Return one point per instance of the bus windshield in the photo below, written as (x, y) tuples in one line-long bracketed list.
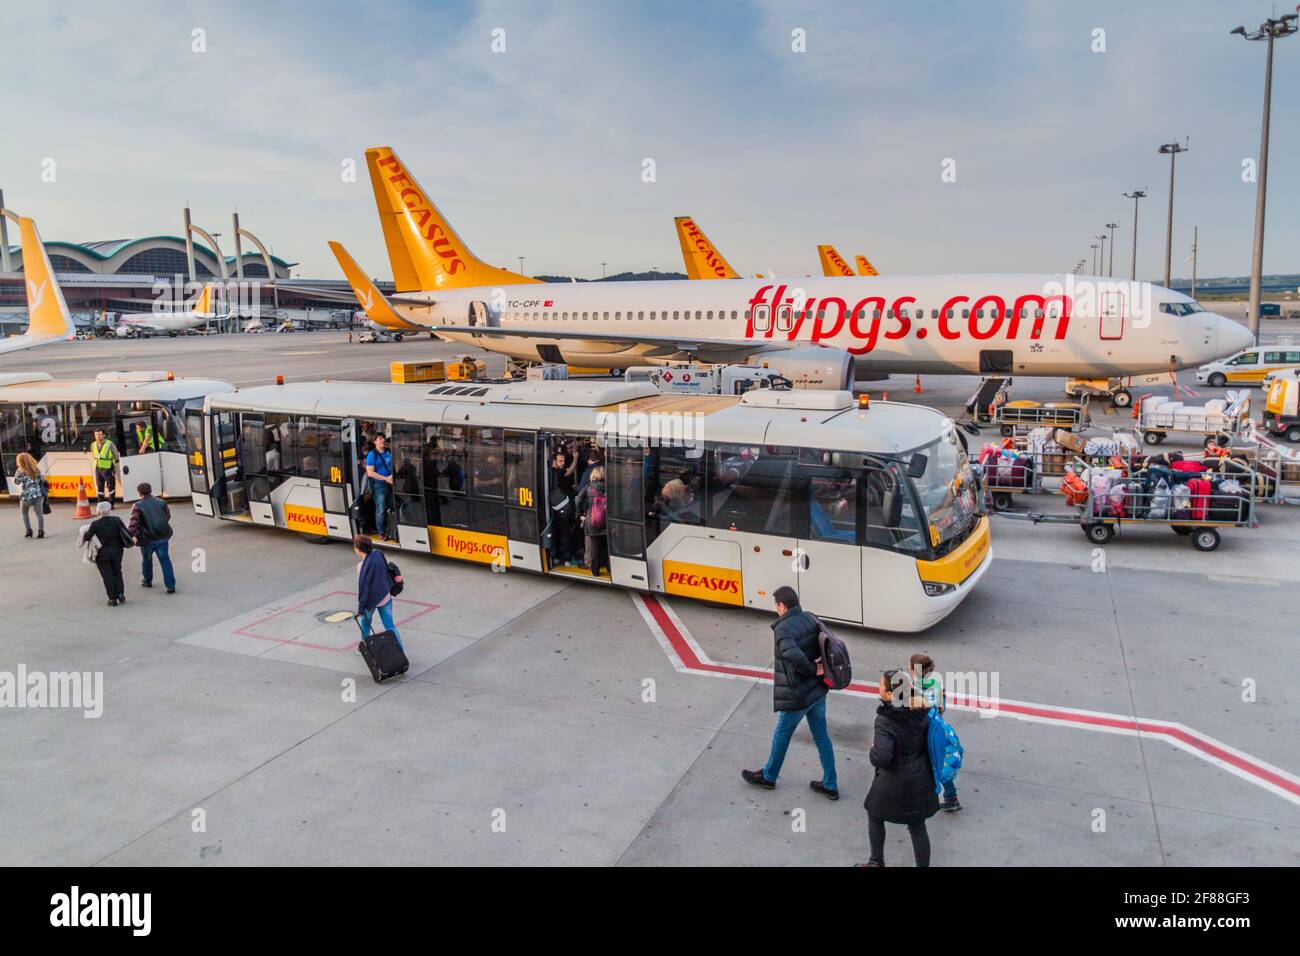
[(947, 492)]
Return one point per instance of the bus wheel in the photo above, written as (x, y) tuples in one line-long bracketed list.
[(1218, 380), (1182, 529), (1099, 532), (1153, 438), (315, 538), (1122, 399), (1205, 539), (1002, 500)]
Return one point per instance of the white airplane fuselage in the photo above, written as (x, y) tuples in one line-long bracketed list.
[(1048, 325)]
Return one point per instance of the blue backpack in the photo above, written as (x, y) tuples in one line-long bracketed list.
[(945, 749)]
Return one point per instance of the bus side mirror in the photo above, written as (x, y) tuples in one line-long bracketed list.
[(892, 505), (916, 466)]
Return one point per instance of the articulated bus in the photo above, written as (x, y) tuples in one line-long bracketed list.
[(869, 511), (141, 412)]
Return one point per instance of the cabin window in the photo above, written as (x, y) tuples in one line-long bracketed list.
[(640, 315), (762, 318)]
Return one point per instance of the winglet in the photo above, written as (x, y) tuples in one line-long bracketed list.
[(49, 318), (372, 301), (702, 258), (865, 268), (833, 263), (425, 252)]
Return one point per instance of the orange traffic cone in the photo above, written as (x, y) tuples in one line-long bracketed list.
[(917, 387), (83, 505)]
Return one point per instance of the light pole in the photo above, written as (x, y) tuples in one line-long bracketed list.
[(1093, 247), (1101, 257), (1110, 270), (1173, 149), (1268, 30), (1135, 195), (1196, 231), (521, 264), (602, 269)]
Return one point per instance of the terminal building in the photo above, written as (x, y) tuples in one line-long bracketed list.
[(120, 275)]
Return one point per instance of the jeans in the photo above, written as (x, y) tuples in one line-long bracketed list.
[(381, 508), (34, 504), (147, 551), (920, 840), (950, 789), (786, 722), (385, 616)]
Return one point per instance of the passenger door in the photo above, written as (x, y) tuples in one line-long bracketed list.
[(334, 477), (252, 460), (625, 516), (196, 460), (140, 465), (829, 559), (229, 490), (1112, 315), (408, 486), (523, 500)]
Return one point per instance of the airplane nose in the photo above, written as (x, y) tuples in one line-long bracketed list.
[(1233, 336)]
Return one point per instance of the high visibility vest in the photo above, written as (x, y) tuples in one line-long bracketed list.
[(103, 454), (145, 438)]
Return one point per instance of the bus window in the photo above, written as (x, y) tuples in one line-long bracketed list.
[(833, 510), (487, 481), (679, 484), (408, 467), (85, 418), (197, 462), (890, 521), (299, 454), (444, 476), (11, 437), (329, 446), (521, 486), (168, 423), (253, 456), (751, 489), (44, 429)]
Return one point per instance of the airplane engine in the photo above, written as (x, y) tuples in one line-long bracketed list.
[(811, 368), (123, 331)]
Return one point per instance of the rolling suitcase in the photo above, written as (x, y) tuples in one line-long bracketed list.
[(382, 654)]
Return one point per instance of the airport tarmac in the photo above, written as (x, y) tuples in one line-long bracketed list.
[(555, 722)]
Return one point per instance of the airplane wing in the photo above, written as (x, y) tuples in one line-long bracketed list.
[(48, 316), (660, 346), (377, 308), (347, 296)]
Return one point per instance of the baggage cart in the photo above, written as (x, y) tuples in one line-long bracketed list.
[(1215, 423), (1104, 514), (1018, 418)]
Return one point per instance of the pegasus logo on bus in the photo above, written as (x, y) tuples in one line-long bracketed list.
[(711, 256), (420, 214), (722, 585), (982, 318)]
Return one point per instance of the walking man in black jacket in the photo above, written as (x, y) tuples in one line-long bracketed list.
[(798, 691)]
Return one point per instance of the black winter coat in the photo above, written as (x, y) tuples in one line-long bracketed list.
[(112, 534), (903, 788), (796, 684)]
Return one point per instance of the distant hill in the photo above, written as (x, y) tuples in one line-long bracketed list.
[(620, 277)]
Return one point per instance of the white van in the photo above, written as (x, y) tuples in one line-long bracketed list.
[(1249, 366)]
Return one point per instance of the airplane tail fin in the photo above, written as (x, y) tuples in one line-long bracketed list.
[(425, 252), (702, 258), (203, 305), (372, 301), (833, 263), (865, 268), (48, 312)]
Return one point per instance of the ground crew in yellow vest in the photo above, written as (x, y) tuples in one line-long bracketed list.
[(105, 456), (144, 438)]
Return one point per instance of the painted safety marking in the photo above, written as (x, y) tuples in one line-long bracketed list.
[(351, 645), (687, 656)]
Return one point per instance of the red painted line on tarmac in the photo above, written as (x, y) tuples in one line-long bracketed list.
[(246, 631), (1243, 765)]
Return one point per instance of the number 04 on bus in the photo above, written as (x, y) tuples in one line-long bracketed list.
[(869, 511)]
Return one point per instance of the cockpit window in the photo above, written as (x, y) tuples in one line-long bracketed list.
[(1181, 308)]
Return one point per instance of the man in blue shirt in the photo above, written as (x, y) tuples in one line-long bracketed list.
[(379, 468)]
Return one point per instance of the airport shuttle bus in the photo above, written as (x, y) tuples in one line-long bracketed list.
[(143, 413), (869, 511)]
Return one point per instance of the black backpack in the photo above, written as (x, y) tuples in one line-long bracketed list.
[(838, 672), (395, 575)]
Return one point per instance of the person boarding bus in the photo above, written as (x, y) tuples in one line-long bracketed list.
[(379, 469)]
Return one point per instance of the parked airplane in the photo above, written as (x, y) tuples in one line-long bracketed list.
[(172, 321), (817, 332), (702, 258), (865, 268), (48, 317)]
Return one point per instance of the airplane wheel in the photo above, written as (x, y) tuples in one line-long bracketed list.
[(397, 337), (1122, 399)]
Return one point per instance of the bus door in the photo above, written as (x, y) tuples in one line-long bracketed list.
[(252, 459), (334, 476), (406, 442), (524, 499), (196, 460), (625, 515), (228, 488), (139, 462), (829, 559)]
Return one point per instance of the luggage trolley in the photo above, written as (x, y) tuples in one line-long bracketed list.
[(1006, 477), (1017, 418), (1217, 422), (1198, 513)]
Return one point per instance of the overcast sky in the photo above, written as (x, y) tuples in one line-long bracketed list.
[(538, 151)]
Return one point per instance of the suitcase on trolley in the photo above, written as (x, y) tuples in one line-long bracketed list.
[(382, 654), (1200, 489)]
